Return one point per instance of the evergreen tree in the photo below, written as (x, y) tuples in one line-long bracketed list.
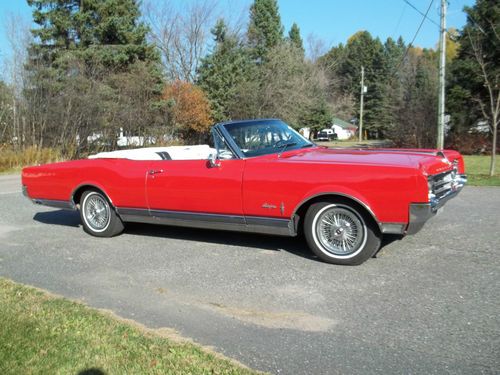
[(362, 50), (106, 32), (110, 33), (316, 117), (475, 73), (265, 30), (96, 49), (222, 71), (295, 38)]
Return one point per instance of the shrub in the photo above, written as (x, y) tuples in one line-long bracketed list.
[(10, 158)]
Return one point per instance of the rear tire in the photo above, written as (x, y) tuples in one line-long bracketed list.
[(98, 215), (339, 233)]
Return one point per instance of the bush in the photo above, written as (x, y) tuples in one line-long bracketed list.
[(11, 159), (470, 143)]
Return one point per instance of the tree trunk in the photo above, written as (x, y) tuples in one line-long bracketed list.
[(494, 146)]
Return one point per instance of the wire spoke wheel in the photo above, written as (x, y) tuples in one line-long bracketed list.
[(339, 231), (96, 212)]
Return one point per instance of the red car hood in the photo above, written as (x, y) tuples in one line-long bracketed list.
[(428, 161)]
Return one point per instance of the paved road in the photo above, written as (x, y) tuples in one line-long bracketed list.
[(428, 304), (10, 184)]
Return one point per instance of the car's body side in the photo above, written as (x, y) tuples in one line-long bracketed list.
[(262, 194), (261, 176)]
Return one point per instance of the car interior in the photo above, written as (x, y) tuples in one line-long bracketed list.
[(196, 152)]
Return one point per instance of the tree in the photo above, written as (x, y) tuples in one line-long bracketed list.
[(224, 70), (78, 51), (415, 109), (265, 30), (477, 71), (19, 37), (316, 117), (189, 108), (180, 35), (106, 32), (343, 64), (391, 81), (295, 38), (6, 114), (109, 33), (287, 86)]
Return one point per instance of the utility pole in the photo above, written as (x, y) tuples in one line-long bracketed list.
[(442, 64), (361, 104)]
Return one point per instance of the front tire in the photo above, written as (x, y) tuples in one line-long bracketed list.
[(98, 216), (339, 233)]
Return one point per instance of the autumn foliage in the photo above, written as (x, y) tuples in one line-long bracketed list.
[(189, 107)]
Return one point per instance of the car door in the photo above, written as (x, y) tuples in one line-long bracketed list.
[(196, 186)]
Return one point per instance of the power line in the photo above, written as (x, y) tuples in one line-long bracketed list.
[(399, 22), (421, 13), (414, 36)]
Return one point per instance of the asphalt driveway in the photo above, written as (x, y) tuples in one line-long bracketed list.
[(427, 304)]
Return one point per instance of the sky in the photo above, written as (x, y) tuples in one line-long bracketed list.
[(331, 21)]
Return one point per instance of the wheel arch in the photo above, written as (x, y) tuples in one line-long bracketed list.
[(77, 193), (300, 211)]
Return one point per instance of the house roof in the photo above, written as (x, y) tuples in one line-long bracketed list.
[(343, 124)]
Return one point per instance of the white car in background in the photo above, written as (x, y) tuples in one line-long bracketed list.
[(326, 135)]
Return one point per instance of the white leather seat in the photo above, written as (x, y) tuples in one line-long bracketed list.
[(198, 152)]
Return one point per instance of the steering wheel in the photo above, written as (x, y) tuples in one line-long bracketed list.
[(281, 143)]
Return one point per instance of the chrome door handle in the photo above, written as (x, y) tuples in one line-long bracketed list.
[(155, 171)]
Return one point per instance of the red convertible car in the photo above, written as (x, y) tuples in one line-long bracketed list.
[(259, 176)]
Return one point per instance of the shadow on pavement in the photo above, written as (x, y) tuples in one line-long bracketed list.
[(294, 245), (59, 217)]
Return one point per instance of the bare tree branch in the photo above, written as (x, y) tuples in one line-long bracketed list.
[(181, 35)]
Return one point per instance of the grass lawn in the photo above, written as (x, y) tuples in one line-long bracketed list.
[(42, 334), (477, 168)]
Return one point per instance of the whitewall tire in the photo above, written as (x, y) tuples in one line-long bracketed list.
[(341, 234)]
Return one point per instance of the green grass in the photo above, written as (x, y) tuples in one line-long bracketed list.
[(477, 168), (42, 334)]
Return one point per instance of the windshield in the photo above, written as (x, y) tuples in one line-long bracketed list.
[(255, 138)]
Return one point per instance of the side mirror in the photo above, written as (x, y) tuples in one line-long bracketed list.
[(213, 161)]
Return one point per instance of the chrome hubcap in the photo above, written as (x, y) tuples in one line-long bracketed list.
[(97, 212), (340, 231)]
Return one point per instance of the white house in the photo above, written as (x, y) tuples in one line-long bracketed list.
[(128, 141), (343, 129), (306, 132)]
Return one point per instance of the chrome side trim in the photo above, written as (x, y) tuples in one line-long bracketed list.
[(195, 216), (269, 225), (253, 224), (65, 205)]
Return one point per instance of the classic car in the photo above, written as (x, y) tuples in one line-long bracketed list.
[(258, 176)]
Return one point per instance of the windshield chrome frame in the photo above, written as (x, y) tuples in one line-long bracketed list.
[(223, 133)]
